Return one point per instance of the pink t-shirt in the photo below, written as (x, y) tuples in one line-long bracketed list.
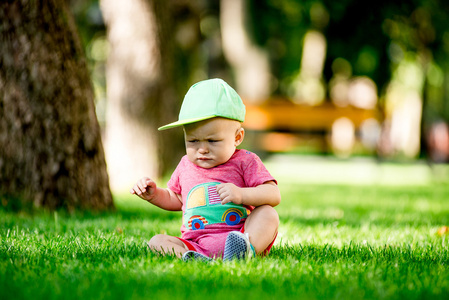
[(202, 209)]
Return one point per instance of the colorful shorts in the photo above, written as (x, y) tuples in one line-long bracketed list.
[(212, 243)]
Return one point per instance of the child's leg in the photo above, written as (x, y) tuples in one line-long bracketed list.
[(166, 244), (262, 226)]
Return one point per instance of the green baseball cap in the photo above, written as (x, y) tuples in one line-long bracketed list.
[(208, 99)]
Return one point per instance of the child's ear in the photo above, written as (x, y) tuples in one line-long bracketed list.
[(240, 134)]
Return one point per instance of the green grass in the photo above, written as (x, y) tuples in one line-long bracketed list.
[(336, 241)]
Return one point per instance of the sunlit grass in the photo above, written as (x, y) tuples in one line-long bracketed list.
[(336, 241), (355, 171)]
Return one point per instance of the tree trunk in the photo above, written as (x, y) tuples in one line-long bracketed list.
[(140, 91), (250, 62), (51, 153)]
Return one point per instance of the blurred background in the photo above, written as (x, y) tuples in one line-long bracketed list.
[(342, 79)]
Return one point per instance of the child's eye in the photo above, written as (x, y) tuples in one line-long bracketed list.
[(193, 141), (213, 141)]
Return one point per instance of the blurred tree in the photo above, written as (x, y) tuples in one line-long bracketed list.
[(51, 153), (374, 40), (362, 41), (143, 77), (249, 62)]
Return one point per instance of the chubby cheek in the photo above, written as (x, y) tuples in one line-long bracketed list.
[(224, 154), (229, 151), (190, 153)]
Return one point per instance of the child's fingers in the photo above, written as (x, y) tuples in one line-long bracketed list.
[(143, 186), (221, 187), (137, 190), (225, 200)]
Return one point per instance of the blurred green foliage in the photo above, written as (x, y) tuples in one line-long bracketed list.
[(372, 36), (366, 38)]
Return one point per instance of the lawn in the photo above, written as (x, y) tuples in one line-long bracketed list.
[(348, 230)]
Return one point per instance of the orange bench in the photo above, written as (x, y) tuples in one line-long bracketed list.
[(277, 124)]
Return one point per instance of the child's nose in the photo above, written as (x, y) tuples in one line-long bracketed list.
[(203, 148)]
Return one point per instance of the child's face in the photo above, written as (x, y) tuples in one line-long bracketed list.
[(212, 142)]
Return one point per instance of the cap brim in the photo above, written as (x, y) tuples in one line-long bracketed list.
[(184, 122)]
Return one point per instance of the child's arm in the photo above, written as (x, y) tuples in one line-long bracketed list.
[(146, 189), (267, 193)]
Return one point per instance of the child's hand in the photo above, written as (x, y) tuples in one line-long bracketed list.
[(145, 188), (229, 192)]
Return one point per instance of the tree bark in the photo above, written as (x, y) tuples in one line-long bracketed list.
[(141, 91), (51, 154)]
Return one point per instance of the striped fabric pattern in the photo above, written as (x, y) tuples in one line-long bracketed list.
[(214, 198)]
